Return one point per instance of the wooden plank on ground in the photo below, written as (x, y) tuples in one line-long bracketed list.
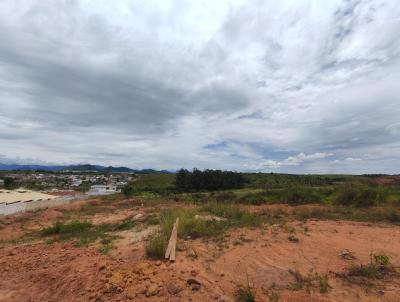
[(169, 247), (175, 238), (170, 243)]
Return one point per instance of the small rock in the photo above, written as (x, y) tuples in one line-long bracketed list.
[(152, 290), (193, 273), (173, 288), (192, 254), (195, 287), (161, 292), (137, 216), (131, 293), (194, 284), (158, 263), (141, 289), (347, 255)]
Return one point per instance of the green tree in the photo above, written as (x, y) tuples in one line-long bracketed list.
[(9, 183)]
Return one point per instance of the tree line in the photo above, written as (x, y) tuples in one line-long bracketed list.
[(207, 180)]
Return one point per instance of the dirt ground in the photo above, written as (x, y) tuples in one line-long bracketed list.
[(205, 270)]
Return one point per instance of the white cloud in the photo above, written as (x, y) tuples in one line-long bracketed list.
[(299, 159), (352, 159), (148, 84)]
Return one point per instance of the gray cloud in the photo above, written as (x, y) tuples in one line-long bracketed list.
[(236, 84)]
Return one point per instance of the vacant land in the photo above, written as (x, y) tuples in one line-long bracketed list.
[(318, 242)]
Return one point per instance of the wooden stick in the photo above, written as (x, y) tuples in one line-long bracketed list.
[(175, 238), (168, 251), (171, 240)]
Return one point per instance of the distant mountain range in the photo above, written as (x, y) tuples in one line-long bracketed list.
[(77, 168)]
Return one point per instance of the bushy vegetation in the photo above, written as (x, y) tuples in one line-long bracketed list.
[(379, 267), (360, 196), (207, 180), (160, 184), (309, 282), (10, 183), (253, 198), (72, 228), (189, 225), (196, 222), (156, 246), (299, 196), (245, 294), (277, 180), (235, 216), (389, 214), (84, 232)]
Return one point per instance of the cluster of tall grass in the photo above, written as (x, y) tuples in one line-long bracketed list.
[(84, 232), (193, 224)]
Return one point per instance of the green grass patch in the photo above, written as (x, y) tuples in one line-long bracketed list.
[(84, 232), (372, 214), (189, 225), (379, 267), (245, 294), (156, 246), (309, 282), (197, 227), (72, 228), (361, 196), (236, 217)]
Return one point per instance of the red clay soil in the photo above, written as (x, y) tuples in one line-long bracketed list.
[(264, 256)]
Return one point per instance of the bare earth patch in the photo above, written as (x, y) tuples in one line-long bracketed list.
[(205, 270)]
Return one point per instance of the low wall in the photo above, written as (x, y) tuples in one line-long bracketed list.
[(15, 207), (22, 206), (2, 208)]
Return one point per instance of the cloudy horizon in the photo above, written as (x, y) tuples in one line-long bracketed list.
[(275, 86)]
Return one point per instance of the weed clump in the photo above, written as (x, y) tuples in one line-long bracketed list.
[(84, 232), (71, 228), (156, 246), (245, 293), (378, 268), (309, 282), (192, 225), (234, 215), (293, 238), (189, 226)]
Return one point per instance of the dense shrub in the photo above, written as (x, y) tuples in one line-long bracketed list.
[(207, 180), (253, 199), (360, 197), (299, 196), (225, 197)]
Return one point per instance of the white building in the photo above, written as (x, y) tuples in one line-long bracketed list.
[(102, 190)]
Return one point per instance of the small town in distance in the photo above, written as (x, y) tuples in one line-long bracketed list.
[(22, 190)]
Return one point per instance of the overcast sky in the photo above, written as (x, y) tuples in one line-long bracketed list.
[(297, 86)]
